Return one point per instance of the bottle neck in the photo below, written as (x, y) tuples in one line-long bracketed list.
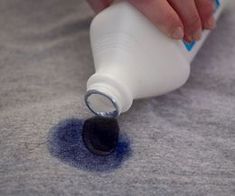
[(102, 104), (107, 98)]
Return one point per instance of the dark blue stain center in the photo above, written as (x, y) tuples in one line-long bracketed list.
[(100, 135), (65, 143)]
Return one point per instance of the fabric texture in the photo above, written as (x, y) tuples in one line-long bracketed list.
[(182, 143)]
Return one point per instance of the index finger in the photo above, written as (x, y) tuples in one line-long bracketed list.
[(99, 5)]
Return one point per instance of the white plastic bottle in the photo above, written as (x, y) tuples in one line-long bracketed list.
[(133, 59)]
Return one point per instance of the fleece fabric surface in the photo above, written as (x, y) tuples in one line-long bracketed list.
[(182, 143)]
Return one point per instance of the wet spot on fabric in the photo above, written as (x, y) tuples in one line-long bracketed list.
[(66, 142)]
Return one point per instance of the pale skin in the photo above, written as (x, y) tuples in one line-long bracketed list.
[(179, 19)]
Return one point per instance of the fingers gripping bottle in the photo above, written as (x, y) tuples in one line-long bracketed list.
[(134, 60)]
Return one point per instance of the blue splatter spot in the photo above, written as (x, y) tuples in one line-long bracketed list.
[(65, 143)]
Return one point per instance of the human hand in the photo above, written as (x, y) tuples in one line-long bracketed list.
[(176, 18)]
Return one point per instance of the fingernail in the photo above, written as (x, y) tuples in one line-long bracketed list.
[(210, 23), (197, 35), (178, 33)]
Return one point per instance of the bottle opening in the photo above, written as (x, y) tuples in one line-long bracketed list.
[(101, 104)]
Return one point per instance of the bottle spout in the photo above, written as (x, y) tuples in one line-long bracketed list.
[(101, 104)]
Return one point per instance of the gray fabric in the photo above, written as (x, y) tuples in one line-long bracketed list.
[(181, 144)]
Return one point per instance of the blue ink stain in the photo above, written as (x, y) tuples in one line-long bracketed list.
[(100, 135), (65, 143)]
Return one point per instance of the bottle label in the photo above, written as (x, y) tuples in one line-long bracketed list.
[(190, 46)]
